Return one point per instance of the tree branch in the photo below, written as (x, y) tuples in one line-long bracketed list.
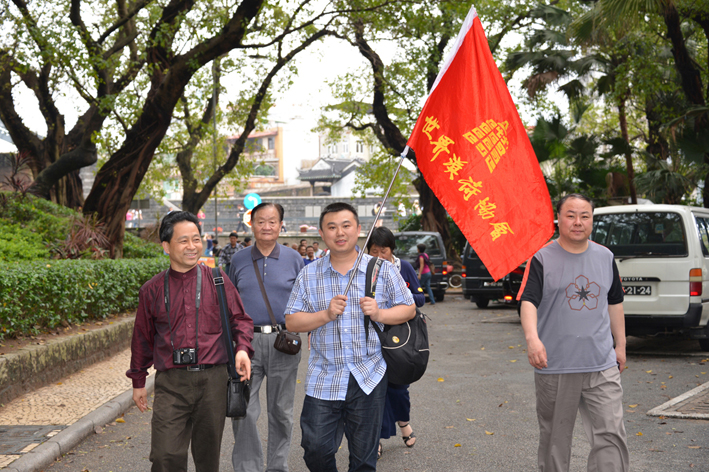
[(123, 20), (393, 137), (250, 124), (23, 138)]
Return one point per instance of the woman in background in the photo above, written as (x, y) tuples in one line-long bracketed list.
[(424, 272), (397, 405)]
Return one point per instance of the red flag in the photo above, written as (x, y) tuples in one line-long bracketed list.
[(474, 153)]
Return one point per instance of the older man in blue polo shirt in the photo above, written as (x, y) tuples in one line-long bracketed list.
[(278, 267)]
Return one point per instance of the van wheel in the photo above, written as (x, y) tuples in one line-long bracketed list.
[(482, 302), (704, 344)]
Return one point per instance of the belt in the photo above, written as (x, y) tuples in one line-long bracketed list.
[(268, 329), (195, 368)]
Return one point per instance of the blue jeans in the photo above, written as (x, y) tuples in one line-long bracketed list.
[(426, 285), (362, 418)]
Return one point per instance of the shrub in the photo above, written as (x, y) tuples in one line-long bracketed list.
[(43, 294), (137, 248), (20, 244), (38, 227)]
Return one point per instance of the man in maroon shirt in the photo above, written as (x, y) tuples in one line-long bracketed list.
[(190, 395)]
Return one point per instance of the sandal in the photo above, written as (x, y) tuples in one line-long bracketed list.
[(409, 437), (379, 451)]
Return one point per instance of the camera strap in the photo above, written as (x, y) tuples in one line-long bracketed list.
[(198, 293)]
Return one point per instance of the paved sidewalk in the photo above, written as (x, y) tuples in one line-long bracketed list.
[(37, 425)]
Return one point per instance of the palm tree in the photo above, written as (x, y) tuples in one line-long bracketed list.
[(682, 20)]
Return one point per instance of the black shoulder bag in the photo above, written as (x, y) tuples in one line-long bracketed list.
[(286, 342), (404, 346), (238, 391)]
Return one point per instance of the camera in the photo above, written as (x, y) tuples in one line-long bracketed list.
[(184, 356)]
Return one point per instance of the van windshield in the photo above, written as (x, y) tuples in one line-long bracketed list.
[(406, 245), (639, 234)]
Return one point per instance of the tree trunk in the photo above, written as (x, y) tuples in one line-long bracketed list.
[(657, 145), (690, 76), (69, 191), (435, 218), (119, 179), (628, 155)]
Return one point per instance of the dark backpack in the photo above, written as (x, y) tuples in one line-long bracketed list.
[(405, 346)]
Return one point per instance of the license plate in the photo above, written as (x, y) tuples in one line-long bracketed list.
[(638, 290)]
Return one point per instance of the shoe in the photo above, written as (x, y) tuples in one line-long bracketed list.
[(409, 437)]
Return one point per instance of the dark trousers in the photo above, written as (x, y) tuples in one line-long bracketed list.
[(361, 415), (188, 406)]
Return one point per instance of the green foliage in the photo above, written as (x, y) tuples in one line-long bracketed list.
[(378, 171), (20, 244), (137, 248), (31, 226), (42, 295)]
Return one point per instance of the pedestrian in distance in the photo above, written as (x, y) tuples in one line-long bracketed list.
[(208, 245), (425, 274), (318, 251), (302, 250), (278, 268), (309, 255), (247, 241), (228, 252), (240, 217), (572, 312), (397, 406), (346, 383), (178, 329)]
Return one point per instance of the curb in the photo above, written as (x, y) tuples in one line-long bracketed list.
[(35, 366), (52, 449), (665, 408)]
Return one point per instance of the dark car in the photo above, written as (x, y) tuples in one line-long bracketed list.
[(480, 288), (406, 249)]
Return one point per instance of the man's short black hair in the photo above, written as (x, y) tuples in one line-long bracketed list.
[(303, 241), (336, 208), (247, 239), (263, 205), (563, 199), (382, 237), (233, 234), (171, 219), (309, 247)]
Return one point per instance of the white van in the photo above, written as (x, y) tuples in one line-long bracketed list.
[(662, 253)]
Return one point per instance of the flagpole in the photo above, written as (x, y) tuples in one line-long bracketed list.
[(376, 218)]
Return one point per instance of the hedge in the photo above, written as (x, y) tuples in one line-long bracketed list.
[(42, 294)]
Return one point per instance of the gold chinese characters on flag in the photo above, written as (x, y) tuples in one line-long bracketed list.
[(474, 153)]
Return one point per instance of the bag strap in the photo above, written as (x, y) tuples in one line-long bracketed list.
[(226, 332), (265, 297), (370, 289)]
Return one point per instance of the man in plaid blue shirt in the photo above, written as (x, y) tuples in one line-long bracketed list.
[(346, 382), (228, 252)]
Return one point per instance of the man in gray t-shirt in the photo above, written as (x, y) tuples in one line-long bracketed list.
[(572, 311)]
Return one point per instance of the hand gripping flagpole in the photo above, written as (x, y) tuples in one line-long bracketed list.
[(376, 218)]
